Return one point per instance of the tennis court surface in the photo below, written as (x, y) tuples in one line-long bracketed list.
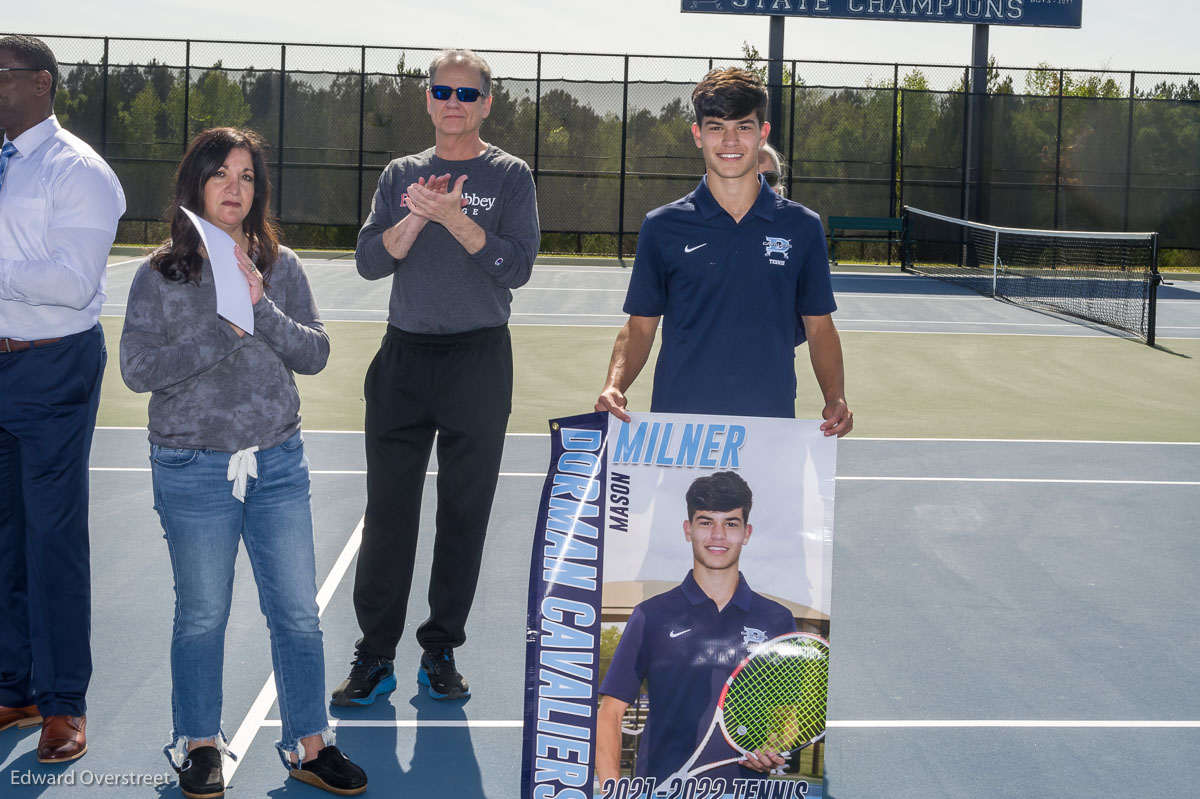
[(1015, 557)]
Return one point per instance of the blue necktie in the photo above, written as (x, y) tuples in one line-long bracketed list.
[(6, 153)]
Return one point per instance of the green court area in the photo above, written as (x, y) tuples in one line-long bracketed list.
[(909, 385)]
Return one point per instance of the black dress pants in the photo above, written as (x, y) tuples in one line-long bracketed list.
[(457, 388)]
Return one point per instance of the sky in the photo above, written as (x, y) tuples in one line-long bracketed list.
[(1150, 35)]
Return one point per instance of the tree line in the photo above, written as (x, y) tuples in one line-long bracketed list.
[(1062, 150)]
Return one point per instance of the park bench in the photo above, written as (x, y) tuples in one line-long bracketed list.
[(883, 224)]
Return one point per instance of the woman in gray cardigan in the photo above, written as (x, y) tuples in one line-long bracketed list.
[(227, 459)]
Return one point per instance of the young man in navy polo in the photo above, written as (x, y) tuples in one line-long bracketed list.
[(739, 276), (685, 643)]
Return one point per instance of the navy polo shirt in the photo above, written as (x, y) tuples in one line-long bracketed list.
[(731, 295), (685, 649)]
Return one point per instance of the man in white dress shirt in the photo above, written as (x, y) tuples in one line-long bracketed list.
[(59, 206)]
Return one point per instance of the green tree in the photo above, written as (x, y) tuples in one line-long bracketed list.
[(217, 101), (610, 636)]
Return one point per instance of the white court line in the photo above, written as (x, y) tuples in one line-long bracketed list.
[(840, 319), (615, 269), (266, 697), (127, 263), (1021, 480), (1007, 723), (411, 723), (843, 724), (896, 274), (852, 438), (1019, 441), (524, 289), (317, 472), (888, 295), (583, 315), (1084, 332), (383, 311), (427, 474), (862, 478)]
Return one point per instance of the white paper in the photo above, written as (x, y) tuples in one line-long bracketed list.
[(233, 292)]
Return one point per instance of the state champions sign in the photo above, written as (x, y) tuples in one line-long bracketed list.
[(1030, 13)]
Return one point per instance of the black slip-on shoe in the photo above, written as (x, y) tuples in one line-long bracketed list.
[(200, 775), (332, 771)]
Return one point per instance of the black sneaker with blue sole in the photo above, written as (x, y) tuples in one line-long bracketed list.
[(439, 675), (370, 676)]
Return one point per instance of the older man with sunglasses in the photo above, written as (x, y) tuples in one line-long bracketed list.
[(456, 229)]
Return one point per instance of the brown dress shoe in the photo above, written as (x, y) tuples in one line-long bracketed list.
[(63, 739), (20, 716)]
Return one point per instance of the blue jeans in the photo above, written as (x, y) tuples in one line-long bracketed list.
[(203, 522)]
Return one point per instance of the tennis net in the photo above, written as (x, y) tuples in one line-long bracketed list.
[(1106, 278)]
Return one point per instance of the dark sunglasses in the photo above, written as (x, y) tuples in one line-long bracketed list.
[(465, 94), (772, 178), (21, 69)]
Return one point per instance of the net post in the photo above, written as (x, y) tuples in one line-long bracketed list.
[(1155, 279), (995, 261), (905, 241)]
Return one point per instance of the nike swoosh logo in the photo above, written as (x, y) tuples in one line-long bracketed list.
[(689, 629), (693, 249)]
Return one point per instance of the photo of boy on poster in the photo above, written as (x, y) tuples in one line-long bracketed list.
[(684, 644), (634, 630)]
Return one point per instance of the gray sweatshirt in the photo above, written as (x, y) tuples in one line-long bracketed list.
[(210, 388), (439, 287)]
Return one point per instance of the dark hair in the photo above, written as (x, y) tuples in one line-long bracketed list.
[(730, 93), (178, 259), (33, 53), (721, 492), (467, 58)]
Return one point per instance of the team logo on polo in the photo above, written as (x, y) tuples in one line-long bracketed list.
[(777, 246), (750, 635)]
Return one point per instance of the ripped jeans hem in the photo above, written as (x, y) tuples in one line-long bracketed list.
[(177, 751), (328, 738)]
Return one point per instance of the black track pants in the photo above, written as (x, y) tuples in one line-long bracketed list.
[(458, 386)]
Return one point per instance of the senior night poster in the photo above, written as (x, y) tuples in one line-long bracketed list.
[(678, 624)]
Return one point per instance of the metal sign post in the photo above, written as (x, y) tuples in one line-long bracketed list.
[(775, 80), (976, 108)]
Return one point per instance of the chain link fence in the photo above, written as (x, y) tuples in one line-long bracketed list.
[(609, 136)]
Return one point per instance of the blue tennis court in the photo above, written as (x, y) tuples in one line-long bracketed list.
[(1012, 614)]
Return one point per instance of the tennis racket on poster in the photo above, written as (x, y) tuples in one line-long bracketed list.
[(774, 699)]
